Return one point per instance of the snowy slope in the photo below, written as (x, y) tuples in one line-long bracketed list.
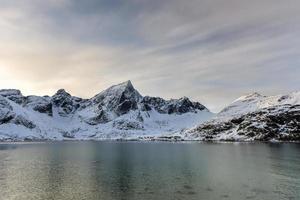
[(119, 112), (253, 102), (253, 117)]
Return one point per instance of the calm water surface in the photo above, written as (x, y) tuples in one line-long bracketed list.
[(141, 171)]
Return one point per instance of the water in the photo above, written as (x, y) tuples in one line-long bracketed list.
[(141, 171)]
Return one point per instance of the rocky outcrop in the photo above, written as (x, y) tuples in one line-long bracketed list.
[(173, 106), (39, 104), (13, 95), (100, 118), (127, 125), (21, 120), (6, 111), (64, 102)]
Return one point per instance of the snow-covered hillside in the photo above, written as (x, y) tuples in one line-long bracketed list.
[(253, 102), (119, 112), (253, 117)]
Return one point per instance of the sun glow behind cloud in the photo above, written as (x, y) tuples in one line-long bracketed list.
[(210, 50)]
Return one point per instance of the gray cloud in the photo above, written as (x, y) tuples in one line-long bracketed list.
[(210, 50)]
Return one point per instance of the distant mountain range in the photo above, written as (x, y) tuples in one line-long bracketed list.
[(121, 112)]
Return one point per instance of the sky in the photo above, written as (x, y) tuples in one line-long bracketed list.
[(212, 51)]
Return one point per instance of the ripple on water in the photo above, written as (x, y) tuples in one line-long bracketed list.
[(134, 171)]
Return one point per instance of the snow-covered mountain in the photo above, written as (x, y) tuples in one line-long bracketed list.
[(253, 102), (253, 117), (119, 112)]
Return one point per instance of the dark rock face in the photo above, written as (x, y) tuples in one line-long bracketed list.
[(128, 125), (183, 105), (6, 111), (44, 108), (13, 95), (140, 117), (278, 122), (21, 120), (61, 97), (173, 106), (4, 104), (65, 103), (118, 99), (145, 107), (6, 117), (126, 106), (66, 134), (100, 118), (39, 104), (199, 106), (16, 99), (157, 103), (10, 92)]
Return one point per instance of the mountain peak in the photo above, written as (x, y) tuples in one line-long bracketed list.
[(119, 89), (119, 98), (253, 95), (62, 92), (125, 84), (10, 92)]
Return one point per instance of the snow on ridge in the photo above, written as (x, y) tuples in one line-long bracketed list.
[(253, 117), (116, 113), (9, 92), (121, 112), (116, 90), (255, 101), (248, 97)]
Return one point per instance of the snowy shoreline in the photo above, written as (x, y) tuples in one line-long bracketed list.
[(147, 141)]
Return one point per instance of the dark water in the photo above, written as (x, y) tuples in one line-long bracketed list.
[(131, 170)]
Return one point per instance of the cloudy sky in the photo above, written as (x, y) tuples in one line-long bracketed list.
[(212, 51)]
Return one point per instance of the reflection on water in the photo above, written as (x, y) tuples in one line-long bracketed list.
[(132, 170)]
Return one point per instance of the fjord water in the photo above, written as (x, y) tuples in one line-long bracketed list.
[(150, 170)]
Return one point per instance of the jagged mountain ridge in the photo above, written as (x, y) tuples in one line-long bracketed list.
[(116, 113), (253, 117), (121, 112)]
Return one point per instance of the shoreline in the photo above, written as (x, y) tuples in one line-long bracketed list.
[(149, 141)]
